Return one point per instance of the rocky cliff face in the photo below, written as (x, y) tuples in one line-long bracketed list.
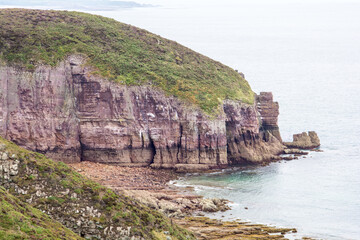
[(71, 115), (252, 132)]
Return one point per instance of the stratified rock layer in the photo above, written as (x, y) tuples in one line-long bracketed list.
[(304, 141), (269, 112), (71, 115)]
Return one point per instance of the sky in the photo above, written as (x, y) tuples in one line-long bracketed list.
[(86, 5), (110, 5)]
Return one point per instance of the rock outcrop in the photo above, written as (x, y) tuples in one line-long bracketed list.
[(20, 220), (304, 141), (85, 207), (252, 133), (206, 228), (269, 112), (71, 115)]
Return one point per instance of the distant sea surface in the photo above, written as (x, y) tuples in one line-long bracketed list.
[(308, 54)]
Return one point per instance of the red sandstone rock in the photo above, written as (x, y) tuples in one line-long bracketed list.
[(70, 115), (269, 112)]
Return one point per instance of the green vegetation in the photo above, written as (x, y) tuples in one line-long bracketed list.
[(18, 220), (120, 53), (64, 189)]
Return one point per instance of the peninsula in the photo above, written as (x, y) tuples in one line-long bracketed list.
[(76, 87)]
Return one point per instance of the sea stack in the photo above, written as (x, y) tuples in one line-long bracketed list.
[(304, 141)]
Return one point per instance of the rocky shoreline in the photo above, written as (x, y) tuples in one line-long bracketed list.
[(206, 228), (150, 187)]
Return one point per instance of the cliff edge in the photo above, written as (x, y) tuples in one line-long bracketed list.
[(70, 115), (86, 104)]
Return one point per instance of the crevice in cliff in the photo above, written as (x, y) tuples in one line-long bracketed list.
[(82, 148), (130, 147), (152, 149), (179, 144), (217, 151), (243, 138), (199, 146), (142, 140)]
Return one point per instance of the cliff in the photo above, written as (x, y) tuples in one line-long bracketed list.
[(71, 115), (82, 102), (39, 191)]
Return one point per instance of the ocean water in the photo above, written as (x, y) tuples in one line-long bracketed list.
[(308, 54)]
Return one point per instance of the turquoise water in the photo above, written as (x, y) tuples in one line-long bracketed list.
[(308, 54)]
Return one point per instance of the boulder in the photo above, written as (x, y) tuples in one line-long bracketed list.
[(207, 205)]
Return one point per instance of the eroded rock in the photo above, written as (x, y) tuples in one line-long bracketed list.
[(207, 205), (295, 151), (206, 228), (304, 141), (70, 115), (8, 166)]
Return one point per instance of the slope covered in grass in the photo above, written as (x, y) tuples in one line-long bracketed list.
[(119, 52), (82, 205), (18, 220)]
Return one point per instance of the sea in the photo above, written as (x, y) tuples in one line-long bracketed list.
[(308, 54)]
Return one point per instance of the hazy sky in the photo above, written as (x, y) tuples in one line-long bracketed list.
[(94, 5)]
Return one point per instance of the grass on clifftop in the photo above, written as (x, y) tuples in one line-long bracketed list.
[(18, 220), (119, 52)]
